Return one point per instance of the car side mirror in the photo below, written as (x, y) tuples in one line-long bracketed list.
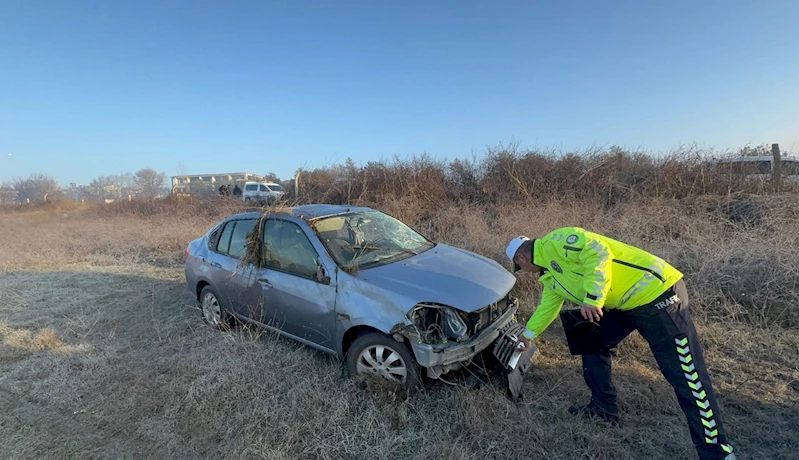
[(321, 276)]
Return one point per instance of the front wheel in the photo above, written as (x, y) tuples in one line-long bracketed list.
[(377, 354)]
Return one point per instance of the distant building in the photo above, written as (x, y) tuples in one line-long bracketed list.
[(78, 193), (208, 183)]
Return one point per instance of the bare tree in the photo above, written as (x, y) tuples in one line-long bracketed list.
[(756, 151), (149, 183), (124, 180), (101, 188), (272, 177), (8, 195), (37, 188), (114, 186)]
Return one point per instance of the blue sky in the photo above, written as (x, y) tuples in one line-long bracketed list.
[(90, 88)]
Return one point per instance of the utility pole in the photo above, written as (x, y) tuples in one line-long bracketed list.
[(776, 167)]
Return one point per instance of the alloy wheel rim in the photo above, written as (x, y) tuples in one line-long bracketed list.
[(211, 309), (383, 361)]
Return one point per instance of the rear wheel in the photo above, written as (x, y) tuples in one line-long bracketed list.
[(376, 354), (212, 311)]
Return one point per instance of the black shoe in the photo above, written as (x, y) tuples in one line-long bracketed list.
[(592, 411)]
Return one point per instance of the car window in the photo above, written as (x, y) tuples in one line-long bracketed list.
[(263, 188), (224, 240), (238, 242), (251, 187), (287, 248), (214, 238)]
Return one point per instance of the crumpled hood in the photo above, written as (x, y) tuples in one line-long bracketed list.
[(444, 275)]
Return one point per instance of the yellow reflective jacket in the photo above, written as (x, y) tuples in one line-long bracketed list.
[(588, 268)]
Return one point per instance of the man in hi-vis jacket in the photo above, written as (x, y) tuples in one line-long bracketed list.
[(623, 288)]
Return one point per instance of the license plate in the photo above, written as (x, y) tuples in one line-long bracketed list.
[(505, 347)]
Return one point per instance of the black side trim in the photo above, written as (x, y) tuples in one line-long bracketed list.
[(591, 296), (628, 264), (572, 248)]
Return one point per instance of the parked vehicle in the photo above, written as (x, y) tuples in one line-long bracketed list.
[(759, 167), (361, 285), (262, 192)]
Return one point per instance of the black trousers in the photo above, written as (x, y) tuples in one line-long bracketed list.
[(667, 326)]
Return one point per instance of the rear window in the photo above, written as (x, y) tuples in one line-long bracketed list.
[(251, 187)]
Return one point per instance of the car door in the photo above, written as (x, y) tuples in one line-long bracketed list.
[(251, 191), (216, 259), (235, 278), (294, 298)]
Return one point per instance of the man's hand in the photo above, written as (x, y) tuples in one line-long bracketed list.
[(591, 313), (525, 342)]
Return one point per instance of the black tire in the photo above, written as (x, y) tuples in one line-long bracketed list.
[(378, 339), (219, 320)]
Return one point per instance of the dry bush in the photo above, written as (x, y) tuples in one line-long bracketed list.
[(736, 271), (605, 178)]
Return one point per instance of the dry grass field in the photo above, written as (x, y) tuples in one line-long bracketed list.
[(103, 352)]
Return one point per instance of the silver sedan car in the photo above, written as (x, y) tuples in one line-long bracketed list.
[(359, 284)]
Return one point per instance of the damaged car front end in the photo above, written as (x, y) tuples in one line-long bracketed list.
[(445, 339), (451, 307)]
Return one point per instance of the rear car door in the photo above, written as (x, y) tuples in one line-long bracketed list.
[(235, 278), (251, 191), (216, 259), (295, 299)]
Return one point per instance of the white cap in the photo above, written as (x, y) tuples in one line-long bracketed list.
[(513, 246)]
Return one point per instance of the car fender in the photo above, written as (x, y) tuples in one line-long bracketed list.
[(359, 303)]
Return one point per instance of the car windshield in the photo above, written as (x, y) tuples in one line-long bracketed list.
[(366, 239)]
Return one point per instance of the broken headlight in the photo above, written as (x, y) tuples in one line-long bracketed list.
[(438, 323)]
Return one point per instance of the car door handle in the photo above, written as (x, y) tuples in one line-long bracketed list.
[(215, 264), (265, 282)]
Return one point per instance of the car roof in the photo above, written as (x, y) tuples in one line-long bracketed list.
[(306, 212)]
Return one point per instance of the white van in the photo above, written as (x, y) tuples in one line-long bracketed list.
[(262, 192)]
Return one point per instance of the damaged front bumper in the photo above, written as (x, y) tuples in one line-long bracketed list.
[(444, 355), (500, 338)]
